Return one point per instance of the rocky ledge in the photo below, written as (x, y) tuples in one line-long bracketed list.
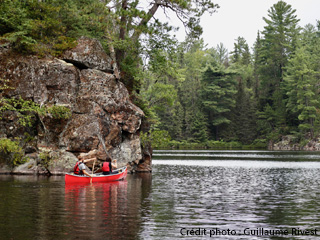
[(103, 123), (289, 143)]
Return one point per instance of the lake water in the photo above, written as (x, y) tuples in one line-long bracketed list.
[(189, 195)]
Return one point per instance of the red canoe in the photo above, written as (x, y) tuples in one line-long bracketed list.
[(118, 174)]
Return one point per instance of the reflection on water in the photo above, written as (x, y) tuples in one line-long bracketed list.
[(236, 198), (46, 208), (238, 163), (259, 155), (98, 205), (237, 194), (195, 192)]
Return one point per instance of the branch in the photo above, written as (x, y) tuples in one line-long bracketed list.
[(144, 21), (123, 20)]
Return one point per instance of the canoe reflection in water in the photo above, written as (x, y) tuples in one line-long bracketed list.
[(95, 209)]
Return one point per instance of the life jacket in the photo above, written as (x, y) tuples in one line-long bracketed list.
[(106, 167), (76, 168)]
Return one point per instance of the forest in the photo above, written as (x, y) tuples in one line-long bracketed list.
[(193, 96)]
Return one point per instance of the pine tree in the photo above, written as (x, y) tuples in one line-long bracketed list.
[(193, 61), (199, 131), (256, 65), (301, 82), (217, 93), (241, 53), (277, 46), (303, 91), (245, 114), (243, 127)]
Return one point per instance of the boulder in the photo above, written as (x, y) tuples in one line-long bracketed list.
[(289, 143), (89, 53)]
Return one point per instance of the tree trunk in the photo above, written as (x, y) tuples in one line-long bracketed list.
[(123, 31)]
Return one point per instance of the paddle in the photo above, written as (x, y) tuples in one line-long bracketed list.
[(103, 145), (92, 170), (93, 166)]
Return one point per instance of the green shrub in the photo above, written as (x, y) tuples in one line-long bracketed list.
[(26, 110), (11, 153), (59, 112), (45, 159), (258, 144), (50, 27), (155, 138)]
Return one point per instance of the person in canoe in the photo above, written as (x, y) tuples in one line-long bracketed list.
[(108, 166), (80, 168)]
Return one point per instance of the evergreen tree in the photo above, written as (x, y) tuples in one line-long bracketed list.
[(277, 46), (217, 93), (194, 60), (241, 53), (302, 80), (243, 126), (245, 114), (303, 92), (199, 129), (257, 65), (222, 55)]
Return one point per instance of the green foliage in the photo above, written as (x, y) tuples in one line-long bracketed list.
[(203, 145), (244, 127), (260, 143), (28, 24), (276, 47), (173, 144), (61, 44), (11, 153), (199, 130), (45, 159), (155, 138), (162, 95), (302, 90), (241, 53), (25, 109), (59, 112), (262, 96), (217, 93), (51, 27)]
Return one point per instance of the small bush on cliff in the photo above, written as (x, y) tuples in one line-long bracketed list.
[(59, 112), (26, 109), (45, 160), (11, 153)]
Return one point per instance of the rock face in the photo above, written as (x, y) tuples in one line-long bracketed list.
[(89, 53), (288, 143), (103, 118)]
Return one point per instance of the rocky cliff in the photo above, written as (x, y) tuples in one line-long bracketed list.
[(104, 122)]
